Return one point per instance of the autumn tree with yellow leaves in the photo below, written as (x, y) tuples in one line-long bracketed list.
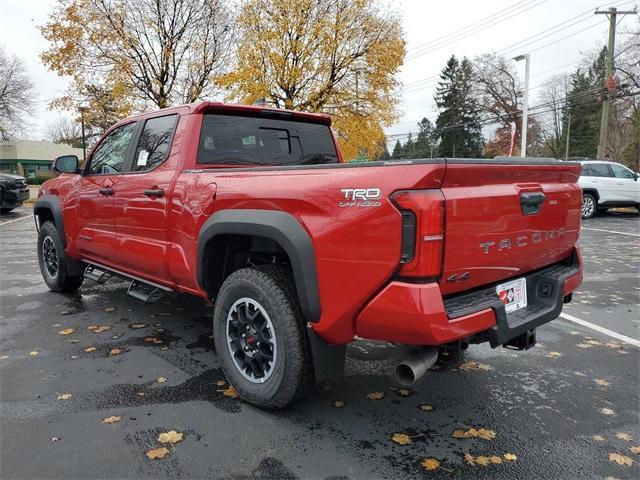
[(128, 55), (333, 56)]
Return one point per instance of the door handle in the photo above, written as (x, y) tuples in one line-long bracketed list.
[(530, 202), (157, 192), (106, 191)]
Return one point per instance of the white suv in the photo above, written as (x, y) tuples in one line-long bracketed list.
[(606, 185)]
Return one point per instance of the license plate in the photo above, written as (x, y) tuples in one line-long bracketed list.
[(513, 294)]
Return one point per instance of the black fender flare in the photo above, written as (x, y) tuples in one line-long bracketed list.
[(283, 228), (52, 204)]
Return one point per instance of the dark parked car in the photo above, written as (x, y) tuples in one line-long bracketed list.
[(13, 191)]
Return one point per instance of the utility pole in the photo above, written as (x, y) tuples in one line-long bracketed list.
[(525, 106), (566, 148), (612, 13)]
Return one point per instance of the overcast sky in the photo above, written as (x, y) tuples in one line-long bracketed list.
[(434, 30)]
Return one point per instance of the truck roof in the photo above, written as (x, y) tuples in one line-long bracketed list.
[(237, 109)]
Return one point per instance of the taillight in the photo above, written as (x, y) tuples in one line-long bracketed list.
[(422, 232)]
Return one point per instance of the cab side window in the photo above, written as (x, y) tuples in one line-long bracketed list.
[(155, 142), (110, 155), (621, 172), (596, 170)]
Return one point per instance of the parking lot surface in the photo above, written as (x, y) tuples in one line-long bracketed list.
[(559, 410)]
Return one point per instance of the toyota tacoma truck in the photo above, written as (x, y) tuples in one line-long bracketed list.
[(255, 210)]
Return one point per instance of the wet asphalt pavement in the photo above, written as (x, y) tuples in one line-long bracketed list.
[(545, 405)]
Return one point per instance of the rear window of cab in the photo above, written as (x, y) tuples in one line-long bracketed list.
[(237, 140)]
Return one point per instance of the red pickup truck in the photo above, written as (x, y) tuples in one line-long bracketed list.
[(255, 210)]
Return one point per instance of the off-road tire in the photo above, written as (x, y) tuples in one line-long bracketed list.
[(589, 206), (293, 376), (61, 281)]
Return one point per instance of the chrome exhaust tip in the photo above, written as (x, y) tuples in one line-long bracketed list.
[(412, 368)]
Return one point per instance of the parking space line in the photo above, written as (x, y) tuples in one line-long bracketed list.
[(611, 231), (15, 220), (598, 328)]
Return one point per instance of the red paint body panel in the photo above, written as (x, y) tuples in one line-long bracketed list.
[(357, 249), (414, 314)]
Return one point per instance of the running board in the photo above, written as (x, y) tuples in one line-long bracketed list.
[(139, 288), (145, 292), (97, 274)]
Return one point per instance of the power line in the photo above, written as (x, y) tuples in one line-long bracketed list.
[(520, 44), (482, 20), (483, 26)]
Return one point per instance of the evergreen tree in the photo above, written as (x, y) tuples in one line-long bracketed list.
[(458, 124), (584, 104), (408, 150), (425, 144), (397, 150), (384, 151)]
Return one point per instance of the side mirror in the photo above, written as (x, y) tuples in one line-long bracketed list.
[(636, 175), (66, 164)]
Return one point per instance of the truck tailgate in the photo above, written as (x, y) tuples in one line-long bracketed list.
[(506, 218)]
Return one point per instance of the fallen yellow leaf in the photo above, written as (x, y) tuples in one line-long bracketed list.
[(220, 383), (34, 353), (601, 382), (99, 328), (430, 464), (425, 407), (64, 396), (495, 459), (157, 453), (66, 331), (620, 459), (338, 404), (230, 392), (486, 434), (109, 309), (475, 366), (161, 380), (553, 354), (584, 345), (483, 461), (375, 395), (593, 342), (170, 437), (607, 411), (136, 326), (115, 351), (510, 457), (624, 436), (404, 392), (112, 419), (153, 340), (468, 459), (598, 438), (475, 433), (90, 349), (401, 438), (634, 449)]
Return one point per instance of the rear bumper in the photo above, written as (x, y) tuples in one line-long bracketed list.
[(416, 314)]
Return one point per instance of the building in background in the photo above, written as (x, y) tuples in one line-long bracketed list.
[(32, 158)]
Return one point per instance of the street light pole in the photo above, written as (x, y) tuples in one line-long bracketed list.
[(525, 107)]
